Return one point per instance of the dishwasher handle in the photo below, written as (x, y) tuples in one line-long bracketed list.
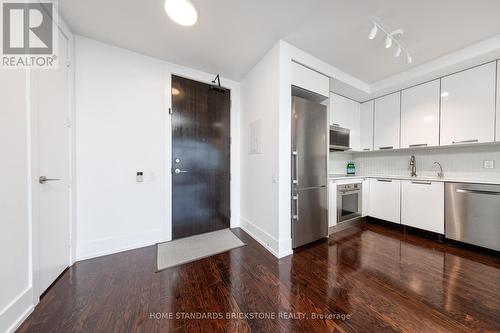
[(478, 192)]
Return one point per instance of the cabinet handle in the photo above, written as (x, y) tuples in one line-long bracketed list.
[(385, 180), (421, 182), (366, 149), (418, 145), (336, 125), (466, 141), (388, 147)]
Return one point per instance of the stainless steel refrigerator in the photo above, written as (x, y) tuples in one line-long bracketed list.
[(309, 173)]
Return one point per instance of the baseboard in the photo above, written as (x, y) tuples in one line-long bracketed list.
[(106, 246), (13, 315), (265, 239)]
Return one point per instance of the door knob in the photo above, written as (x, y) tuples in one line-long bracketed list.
[(43, 179), (180, 171)]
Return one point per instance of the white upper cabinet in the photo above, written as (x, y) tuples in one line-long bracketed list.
[(420, 115), (345, 112), (387, 121), (422, 205), (468, 106), (498, 101), (366, 126), (308, 79)]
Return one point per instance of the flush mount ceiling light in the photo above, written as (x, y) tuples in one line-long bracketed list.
[(391, 38), (181, 12)]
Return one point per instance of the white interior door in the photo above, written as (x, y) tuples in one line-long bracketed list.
[(51, 90)]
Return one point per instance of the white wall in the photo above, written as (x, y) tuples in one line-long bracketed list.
[(457, 162), (259, 172), (123, 126), (15, 222)]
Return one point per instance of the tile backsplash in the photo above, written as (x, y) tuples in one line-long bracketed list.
[(338, 162), (458, 162)]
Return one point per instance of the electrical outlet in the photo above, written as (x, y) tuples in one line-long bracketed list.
[(489, 164)]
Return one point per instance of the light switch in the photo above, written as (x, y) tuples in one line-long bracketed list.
[(489, 164), (139, 177)]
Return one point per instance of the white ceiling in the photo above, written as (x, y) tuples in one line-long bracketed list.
[(232, 35)]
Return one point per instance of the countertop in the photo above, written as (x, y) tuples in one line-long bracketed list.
[(433, 179)]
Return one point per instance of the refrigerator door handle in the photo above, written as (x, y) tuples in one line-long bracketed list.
[(295, 179), (295, 214)]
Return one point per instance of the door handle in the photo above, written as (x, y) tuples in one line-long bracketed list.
[(177, 171), (478, 192), (43, 179), (295, 215), (295, 179)]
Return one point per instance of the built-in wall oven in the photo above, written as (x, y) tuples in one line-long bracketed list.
[(349, 203)]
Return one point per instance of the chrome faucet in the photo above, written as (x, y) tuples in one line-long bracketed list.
[(413, 165), (440, 172)]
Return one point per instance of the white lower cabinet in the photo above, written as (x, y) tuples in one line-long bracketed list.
[(385, 195), (365, 198), (332, 203), (422, 205)]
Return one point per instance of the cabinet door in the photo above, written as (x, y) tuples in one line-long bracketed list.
[(365, 198), (468, 106), (366, 126), (385, 199), (387, 121), (310, 80), (420, 115), (345, 113), (498, 102), (332, 205), (422, 205), (341, 109)]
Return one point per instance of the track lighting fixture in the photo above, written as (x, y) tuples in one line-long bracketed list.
[(398, 52), (391, 38), (388, 41), (373, 32)]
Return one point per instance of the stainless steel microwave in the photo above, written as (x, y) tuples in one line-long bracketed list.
[(339, 138)]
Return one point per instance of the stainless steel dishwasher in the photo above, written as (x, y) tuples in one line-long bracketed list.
[(472, 214)]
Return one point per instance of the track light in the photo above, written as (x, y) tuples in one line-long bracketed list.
[(388, 41), (398, 52), (391, 38), (373, 32)]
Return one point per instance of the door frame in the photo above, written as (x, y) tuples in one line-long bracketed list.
[(234, 160), (34, 162)]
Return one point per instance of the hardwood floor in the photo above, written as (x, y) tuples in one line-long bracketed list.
[(382, 279)]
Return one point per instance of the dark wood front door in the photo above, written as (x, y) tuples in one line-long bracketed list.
[(200, 158)]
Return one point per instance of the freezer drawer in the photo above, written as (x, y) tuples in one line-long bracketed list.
[(309, 215), (472, 214)]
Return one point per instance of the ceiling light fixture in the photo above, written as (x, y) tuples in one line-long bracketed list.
[(398, 52), (388, 41), (181, 12), (391, 38), (373, 32)]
